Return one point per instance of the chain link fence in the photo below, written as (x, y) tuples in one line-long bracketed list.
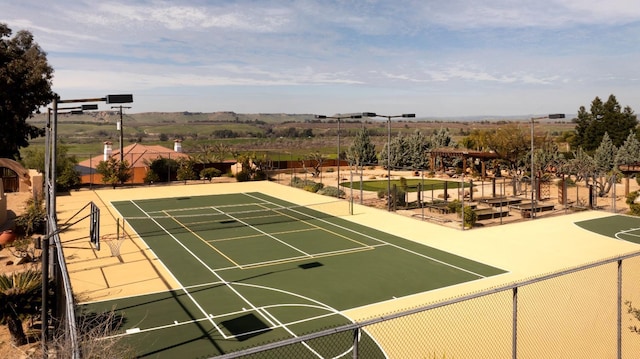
[(575, 313)]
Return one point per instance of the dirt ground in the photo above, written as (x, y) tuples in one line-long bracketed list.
[(576, 196), (16, 204)]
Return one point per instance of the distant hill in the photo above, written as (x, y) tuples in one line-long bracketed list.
[(186, 117)]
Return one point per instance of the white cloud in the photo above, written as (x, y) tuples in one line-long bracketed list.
[(458, 14), (339, 52), (182, 17)]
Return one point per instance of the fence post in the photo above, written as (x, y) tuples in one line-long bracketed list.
[(356, 340), (514, 334), (619, 309)]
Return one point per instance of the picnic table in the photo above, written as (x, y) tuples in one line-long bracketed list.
[(489, 213), (526, 208), (501, 201), (440, 207)]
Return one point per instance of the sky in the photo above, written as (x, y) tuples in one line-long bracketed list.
[(444, 58)]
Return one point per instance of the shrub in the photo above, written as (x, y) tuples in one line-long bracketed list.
[(313, 186), (470, 217), (33, 220), (400, 196), (151, 177), (298, 182), (332, 192), (403, 183), (209, 173), (259, 175), (454, 206), (243, 176)]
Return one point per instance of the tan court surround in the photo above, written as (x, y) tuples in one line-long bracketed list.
[(524, 249)]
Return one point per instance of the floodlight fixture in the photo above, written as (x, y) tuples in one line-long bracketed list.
[(126, 98)]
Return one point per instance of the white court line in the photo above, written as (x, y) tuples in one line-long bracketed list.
[(295, 259), (226, 283), (377, 239), (262, 310), (261, 231), (627, 232), (179, 283)]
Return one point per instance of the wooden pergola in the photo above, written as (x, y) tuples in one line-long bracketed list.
[(628, 170), (461, 153)]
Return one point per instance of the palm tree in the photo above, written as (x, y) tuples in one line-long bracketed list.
[(20, 297)]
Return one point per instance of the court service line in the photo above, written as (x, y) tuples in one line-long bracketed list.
[(260, 235), (202, 239), (375, 239), (316, 226), (263, 232), (315, 256), (206, 266)]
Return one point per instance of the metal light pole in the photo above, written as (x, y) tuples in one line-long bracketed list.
[(120, 127), (534, 188), (321, 117), (51, 150), (404, 115)]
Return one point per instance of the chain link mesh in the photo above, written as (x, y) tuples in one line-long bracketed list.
[(577, 313)]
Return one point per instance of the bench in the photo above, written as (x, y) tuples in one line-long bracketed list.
[(490, 213), (525, 210)]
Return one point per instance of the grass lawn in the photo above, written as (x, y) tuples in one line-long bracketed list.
[(412, 184)]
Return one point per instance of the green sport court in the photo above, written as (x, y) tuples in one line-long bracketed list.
[(253, 269)]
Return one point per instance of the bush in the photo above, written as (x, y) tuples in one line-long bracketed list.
[(243, 176), (259, 175), (454, 206), (470, 217), (151, 177), (401, 197), (298, 182), (209, 173), (332, 192), (33, 220)]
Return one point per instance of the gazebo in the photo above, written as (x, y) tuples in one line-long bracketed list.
[(465, 154)]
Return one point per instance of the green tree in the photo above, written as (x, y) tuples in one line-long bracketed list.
[(212, 153), (629, 152), (512, 144), (67, 177), (317, 159), (185, 170), (114, 171), (362, 151), (442, 138), (396, 153), (253, 167), (547, 156), (25, 78), (20, 297), (582, 166), (603, 117), (418, 147), (163, 167), (604, 159)]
